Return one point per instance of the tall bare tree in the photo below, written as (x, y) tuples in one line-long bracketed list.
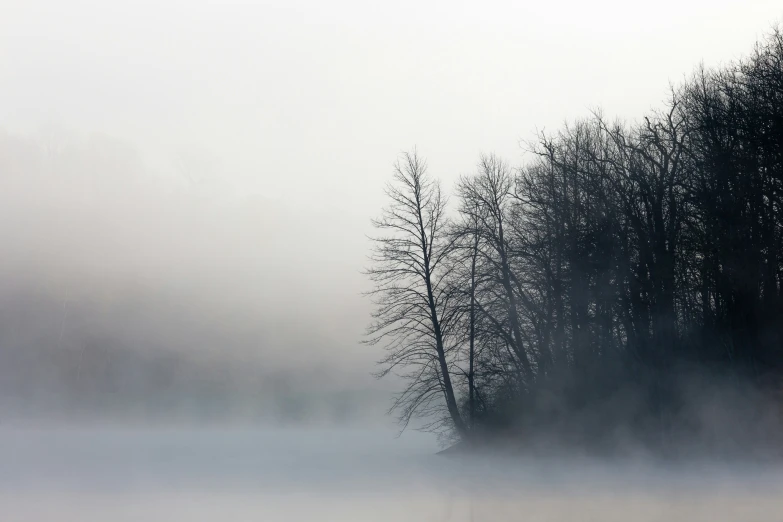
[(415, 311), (486, 199)]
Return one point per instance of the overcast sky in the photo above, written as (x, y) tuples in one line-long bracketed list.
[(226, 157)]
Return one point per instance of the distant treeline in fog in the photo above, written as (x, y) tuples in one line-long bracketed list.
[(624, 284), (129, 293), (110, 360)]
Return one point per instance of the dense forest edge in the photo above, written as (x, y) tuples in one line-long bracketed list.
[(622, 290)]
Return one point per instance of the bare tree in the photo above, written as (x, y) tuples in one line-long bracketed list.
[(464, 283), (414, 308), (486, 198)]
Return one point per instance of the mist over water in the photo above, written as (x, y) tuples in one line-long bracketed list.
[(125, 473)]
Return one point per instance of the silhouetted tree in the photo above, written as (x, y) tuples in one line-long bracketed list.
[(414, 311)]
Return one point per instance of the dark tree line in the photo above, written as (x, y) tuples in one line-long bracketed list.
[(617, 263)]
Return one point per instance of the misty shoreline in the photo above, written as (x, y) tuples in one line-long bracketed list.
[(617, 293), (376, 457)]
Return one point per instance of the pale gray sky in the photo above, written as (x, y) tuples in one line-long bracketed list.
[(315, 98), (229, 155)]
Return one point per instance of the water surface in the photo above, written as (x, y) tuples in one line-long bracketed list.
[(347, 475)]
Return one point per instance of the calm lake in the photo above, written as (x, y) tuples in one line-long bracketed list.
[(241, 474)]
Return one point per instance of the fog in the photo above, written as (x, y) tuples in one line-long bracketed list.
[(198, 177), (104, 259), (349, 475), (186, 191)]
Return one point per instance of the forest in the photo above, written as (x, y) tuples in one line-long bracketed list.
[(623, 285)]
